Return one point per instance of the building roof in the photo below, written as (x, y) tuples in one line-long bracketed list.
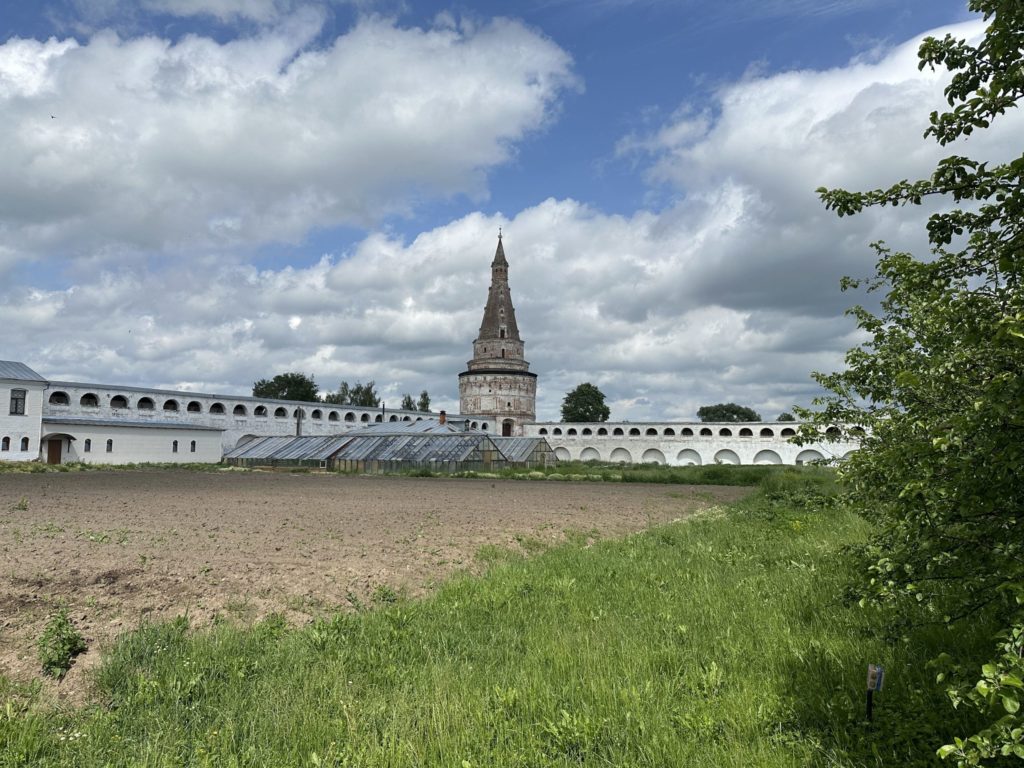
[(366, 446), (147, 423), (10, 369), (451, 447), (499, 254), (521, 448), (372, 445), (426, 426), (289, 448), (499, 312)]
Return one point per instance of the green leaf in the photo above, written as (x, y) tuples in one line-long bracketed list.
[(1010, 704), (945, 751)]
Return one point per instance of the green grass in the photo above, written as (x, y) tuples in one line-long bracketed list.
[(721, 641), (592, 471)]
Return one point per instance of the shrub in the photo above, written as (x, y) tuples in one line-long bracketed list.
[(59, 644)]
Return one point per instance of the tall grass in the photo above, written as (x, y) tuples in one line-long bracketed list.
[(722, 641), (712, 474)]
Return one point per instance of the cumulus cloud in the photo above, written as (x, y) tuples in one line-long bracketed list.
[(730, 293), (405, 314), (261, 11), (167, 146)]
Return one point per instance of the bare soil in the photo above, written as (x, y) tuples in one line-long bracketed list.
[(122, 547)]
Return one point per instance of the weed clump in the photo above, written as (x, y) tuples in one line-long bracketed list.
[(59, 644)]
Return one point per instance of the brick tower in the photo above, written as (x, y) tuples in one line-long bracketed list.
[(497, 382)]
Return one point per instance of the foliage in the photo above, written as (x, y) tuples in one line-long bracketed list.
[(727, 412), (786, 416), (585, 403), (423, 404), (59, 644), (358, 394), (287, 386), (408, 404), (998, 692), (939, 385)]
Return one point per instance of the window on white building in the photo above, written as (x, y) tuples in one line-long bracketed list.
[(18, 402)]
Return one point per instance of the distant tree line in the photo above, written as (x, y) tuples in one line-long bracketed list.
[(300, 386)]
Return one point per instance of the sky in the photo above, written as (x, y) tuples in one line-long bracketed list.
[(198, 194)]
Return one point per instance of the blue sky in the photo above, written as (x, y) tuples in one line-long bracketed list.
[(234, 188)]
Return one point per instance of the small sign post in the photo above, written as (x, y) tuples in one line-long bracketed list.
[(876, 679)]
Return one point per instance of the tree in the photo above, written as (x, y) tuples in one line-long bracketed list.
[(287, 386), (727, 412), (585, 403), (424, 402), (341, 397), (408, 404), (939, 386), (786, 416), (364, 395)]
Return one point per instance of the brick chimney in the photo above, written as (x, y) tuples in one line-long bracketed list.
[(442, 418)]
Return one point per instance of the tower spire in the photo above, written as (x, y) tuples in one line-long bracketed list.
[(499, 321)]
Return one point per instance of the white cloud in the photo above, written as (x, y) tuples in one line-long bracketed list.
[(262, 11), (161, 146), (406, 314), (729, 294)]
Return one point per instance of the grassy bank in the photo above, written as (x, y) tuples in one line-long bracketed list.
[(592, 471), (720, 641)]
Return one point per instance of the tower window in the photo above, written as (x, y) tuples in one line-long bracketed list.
[(88, 445), (502, 333)]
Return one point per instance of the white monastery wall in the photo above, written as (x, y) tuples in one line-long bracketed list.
[(20, 432), (107, 444), (681, 444), (237, 415)]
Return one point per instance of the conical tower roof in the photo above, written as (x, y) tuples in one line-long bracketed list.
[(499, 320)]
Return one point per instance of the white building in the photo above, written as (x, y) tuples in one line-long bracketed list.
[(690, 443), (21, 411), (61, 421)]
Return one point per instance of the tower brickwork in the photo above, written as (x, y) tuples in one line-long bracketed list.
[(497, 382)]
